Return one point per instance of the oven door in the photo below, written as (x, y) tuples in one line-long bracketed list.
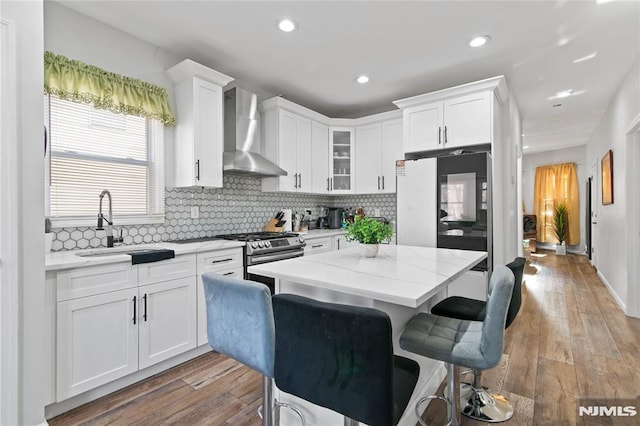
[(266, 258)]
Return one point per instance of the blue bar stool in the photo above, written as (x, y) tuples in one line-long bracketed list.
[(470, 344), (240, 325), (341, 357), (478, 402)]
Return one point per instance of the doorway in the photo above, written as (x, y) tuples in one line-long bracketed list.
[(593, 215)]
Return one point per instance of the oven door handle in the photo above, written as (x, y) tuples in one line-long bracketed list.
[(257, 260)]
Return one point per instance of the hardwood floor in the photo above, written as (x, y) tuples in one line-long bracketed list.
[(571, 343)]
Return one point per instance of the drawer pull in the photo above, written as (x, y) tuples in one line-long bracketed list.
[(318, 246), (221, 260), (134, 309), (229, 273)]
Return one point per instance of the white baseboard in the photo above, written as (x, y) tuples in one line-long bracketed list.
[(613, 293)]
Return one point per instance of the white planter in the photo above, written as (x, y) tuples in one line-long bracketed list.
[(369, 250), (561, 249)]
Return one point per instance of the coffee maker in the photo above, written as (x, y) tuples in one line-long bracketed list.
[(323, 221)]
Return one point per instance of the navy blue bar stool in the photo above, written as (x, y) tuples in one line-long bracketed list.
[(470, 344), (240, 325), (341, 357), (478, 402)]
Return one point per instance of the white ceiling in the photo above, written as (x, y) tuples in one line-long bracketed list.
[(407, 48)]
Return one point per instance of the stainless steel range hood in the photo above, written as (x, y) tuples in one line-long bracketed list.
[(242, 136)]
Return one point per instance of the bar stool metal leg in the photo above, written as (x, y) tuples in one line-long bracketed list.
[(480, 404)]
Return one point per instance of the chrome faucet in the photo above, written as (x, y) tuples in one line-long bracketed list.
[(110, 238)]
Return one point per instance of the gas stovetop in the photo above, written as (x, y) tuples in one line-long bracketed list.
[(256, 236)]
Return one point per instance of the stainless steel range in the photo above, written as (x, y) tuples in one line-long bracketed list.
[(264, 247)]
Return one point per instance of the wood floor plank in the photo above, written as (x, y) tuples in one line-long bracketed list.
[(556, 390), (599, 338), (555, 340), (523, 364)]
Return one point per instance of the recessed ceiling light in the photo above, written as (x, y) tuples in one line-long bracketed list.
[(362, 79), (479, 41), (525, 147), (566, 94), (287, 25), (603, 1), (585, 58)]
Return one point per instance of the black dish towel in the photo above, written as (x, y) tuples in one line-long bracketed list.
[(149, 256)]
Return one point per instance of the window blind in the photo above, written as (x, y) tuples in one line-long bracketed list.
[(92, 150)]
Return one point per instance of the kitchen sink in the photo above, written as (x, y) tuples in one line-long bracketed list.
[(114, 251)]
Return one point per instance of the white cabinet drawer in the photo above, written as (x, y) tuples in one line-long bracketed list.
[(94, 280), (219, 260), (318, 245), (179, 267)]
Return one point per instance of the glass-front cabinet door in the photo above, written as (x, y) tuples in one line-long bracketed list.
[(341, 164)]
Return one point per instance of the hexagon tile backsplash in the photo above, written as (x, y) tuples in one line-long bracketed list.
[(240, 206)]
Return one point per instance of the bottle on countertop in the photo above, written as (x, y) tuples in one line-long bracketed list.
[(343, 225)]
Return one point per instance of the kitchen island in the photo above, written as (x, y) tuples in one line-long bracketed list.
[(401, 281)]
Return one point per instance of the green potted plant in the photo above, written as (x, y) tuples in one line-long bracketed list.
[(369, 232), (561, 226)]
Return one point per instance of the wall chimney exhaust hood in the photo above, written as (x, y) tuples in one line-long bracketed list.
[(242, 136)]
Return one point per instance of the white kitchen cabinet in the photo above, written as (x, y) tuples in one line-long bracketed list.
[(320, 157), (473, 284), (341, 243), (368, 158), (199, 141), (110, 325), (451, 123), (167, 320), (455, 117), (341, 152), (288, 143), (391, 152), (378, 146), (97, 341), (226, 262), (318, 245)]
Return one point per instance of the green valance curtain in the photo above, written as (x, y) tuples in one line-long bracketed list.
[(80, 82)]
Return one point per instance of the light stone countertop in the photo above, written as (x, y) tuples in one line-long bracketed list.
[(70, 259), (403, 275)]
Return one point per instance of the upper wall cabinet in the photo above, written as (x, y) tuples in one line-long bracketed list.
[(452, 118), (287, 144), (378, 146), (199, 140), (341, 154), (320, 157)]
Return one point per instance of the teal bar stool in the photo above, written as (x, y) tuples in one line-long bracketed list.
[(478, 402), (240, 325), (470, 344)]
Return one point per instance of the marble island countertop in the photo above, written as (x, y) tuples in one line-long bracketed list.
[(78, 258), (404, 275)]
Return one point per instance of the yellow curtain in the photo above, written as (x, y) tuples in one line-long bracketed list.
[(76, 81), (556, 184)]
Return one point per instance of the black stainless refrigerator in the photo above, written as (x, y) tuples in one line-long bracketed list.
[(446, 202)]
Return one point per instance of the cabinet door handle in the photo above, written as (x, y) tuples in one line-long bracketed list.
[(327, 184), (439, 135), (445, 135), (383, 182), (299, 180), (338, 241), (135, 304), (144, 299), (197, 169), (378, 183), (331, 180)]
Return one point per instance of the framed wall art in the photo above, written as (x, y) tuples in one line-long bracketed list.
[(607, 178)]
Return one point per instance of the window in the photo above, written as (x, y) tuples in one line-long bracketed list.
[(92, 150)]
